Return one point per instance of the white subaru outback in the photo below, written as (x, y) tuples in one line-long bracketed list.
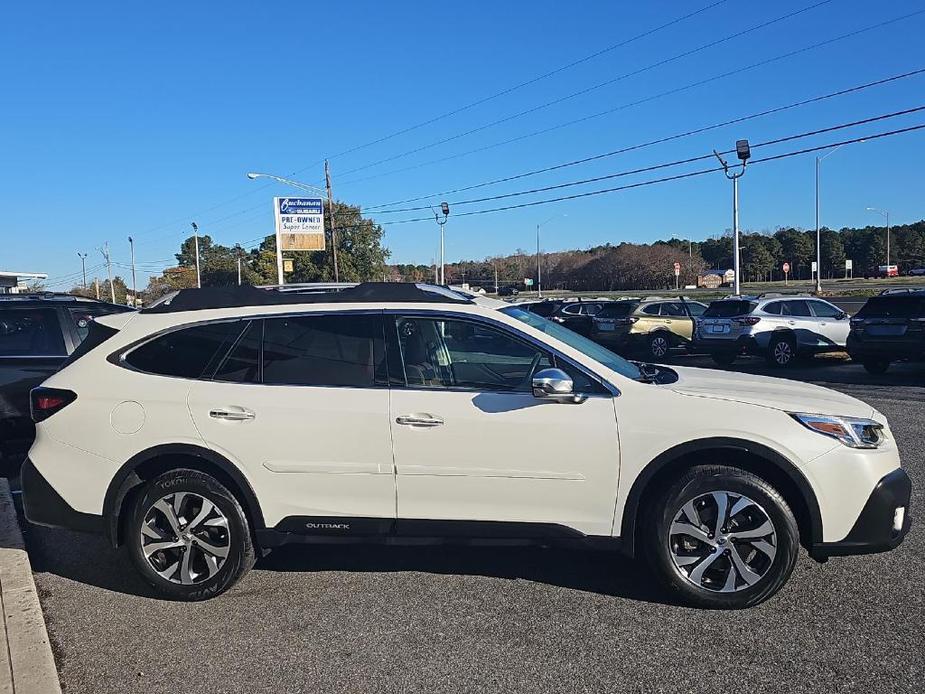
[(221, 423)]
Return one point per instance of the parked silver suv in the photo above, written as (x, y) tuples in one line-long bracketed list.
[(779, 328)]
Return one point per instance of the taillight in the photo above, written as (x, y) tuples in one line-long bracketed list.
[(748, 320), (46, 401)]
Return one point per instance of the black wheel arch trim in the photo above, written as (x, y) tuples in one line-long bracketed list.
[(631, 509), (127, 479)]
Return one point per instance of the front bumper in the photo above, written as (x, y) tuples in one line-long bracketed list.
[(44, 506), (875, 529)]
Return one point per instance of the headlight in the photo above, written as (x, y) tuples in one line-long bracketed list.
[(854, 432)]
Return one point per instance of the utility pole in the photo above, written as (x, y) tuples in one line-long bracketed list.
[(884, 213), (131, 244), (83, 266), (539, 272), (112, 290), (96, 283), (239, 265), (743, 151), (196, 243), (327, 183), (495, 264)]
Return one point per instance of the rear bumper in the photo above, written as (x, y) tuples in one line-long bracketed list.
[(862, 350), (744, 344), (875, 529), (44, 506)]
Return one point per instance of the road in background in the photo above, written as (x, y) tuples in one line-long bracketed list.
[(445, 619)]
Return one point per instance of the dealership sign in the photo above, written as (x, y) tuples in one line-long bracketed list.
[(299, 223)]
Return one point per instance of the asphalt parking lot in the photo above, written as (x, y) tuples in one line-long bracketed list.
[(354, 619)]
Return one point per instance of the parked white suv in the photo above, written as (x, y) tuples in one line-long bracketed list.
[(222, 423), (779, 328)]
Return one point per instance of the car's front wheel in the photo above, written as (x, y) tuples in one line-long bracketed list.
[(188, 536), (721, 537)]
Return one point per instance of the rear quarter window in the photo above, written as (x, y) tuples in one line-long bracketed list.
[(185, 353)]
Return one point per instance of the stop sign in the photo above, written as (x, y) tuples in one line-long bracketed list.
[(786, 267)]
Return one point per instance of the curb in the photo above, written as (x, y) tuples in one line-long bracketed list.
[(27, 665)]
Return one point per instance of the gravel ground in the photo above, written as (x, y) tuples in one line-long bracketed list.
[(357, 619)]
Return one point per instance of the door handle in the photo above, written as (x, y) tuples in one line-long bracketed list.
[(232, 415), (419, 420)]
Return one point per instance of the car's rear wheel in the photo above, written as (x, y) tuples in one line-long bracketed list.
[(876, 366), (782, 351), (659, 345), (721, 537), (723, 358), (188, 536)]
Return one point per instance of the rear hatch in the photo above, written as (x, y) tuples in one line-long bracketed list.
[(725, 319), (897, 318), (615, 315)]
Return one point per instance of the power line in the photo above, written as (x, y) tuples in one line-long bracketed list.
[(521, 85), (656, 167), (600, 85), (677, 177), (654, 97), (650, 143)]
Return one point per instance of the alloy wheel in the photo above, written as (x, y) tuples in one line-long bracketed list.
[(722, 541), (185, 538), (783, 352), (659, 346)]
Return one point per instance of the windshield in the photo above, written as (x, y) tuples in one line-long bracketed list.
[(726, 308), (572, 339)]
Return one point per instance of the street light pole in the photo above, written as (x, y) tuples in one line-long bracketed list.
[(83, 266), (196, 242), (131, 244), (445, 210), (884, 213), (818, 227), (743, 152), (539, 272)]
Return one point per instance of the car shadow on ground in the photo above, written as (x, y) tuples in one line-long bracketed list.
[(89, 559)]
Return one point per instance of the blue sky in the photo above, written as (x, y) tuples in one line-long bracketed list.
[(120, 119)]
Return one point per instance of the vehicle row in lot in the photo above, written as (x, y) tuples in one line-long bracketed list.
[(37, 333), (217, 424)]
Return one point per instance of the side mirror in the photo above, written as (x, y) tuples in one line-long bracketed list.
[(843, 316), (555, 384)]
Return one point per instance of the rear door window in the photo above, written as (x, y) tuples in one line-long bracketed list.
[(185, 353), (31, 332), (324, 350), (695, 309), (774, 308), (673, 309), (796, 307)]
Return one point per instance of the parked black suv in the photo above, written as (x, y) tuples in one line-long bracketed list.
[(37, 333), (579, 315), (887, 328)]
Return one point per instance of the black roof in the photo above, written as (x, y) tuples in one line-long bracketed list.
[(367, 292)]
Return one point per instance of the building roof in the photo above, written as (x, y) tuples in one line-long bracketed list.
[(367, 292)]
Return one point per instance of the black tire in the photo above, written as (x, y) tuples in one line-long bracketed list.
[(232, 535), (658, 345), (782, 351), (697, 484), (876, 367), (723, 358)]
